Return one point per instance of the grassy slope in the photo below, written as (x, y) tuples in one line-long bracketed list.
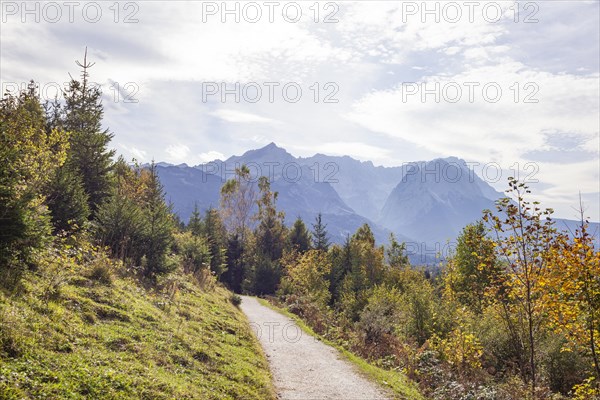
[(399, 384), (121, 341)]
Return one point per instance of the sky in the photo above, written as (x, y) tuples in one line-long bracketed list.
[(511, 87)]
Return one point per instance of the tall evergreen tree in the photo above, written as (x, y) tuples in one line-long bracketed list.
[(67, 200), (195, 223), (159, 224), (215, 233), (299, 237), (89, 154), (341, 264), (269, 236), (233, 276), (120, 221), (319, 234)]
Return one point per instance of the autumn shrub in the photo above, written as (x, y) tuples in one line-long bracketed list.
[(500, 350), (416, 311), (378, 322), (563, 368), (588, 389)]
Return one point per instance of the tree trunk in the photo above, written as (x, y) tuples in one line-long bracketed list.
[(593, 347)]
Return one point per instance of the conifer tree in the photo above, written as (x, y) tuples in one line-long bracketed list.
[(195, 223), (234, 273), (341, 264), (160, 225), (215, 233), (67, 200), (319, 234), (89, 155), (299, 237), (120, 221), (269, 243)]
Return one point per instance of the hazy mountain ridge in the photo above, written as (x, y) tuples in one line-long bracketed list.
[(363, 186), (434, 200), (426, 203), (300, 193)]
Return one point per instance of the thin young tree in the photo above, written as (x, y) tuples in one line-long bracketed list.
[(524, 235), (238, 197)]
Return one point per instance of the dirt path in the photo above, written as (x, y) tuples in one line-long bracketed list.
[(303, 367)]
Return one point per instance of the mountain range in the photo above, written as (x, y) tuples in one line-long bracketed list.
[(425, 204)]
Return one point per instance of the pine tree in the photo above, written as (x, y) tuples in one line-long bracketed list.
[(160, 227), (67, 200), (89, 154), (299, 237), (120, 225), (120, 221), (269, 243), (319, 234), (234, 273), (195, 223), (215, 234), (341, 261)]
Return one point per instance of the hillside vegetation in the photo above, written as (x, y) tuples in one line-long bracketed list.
[(114, 338), (103, 294)]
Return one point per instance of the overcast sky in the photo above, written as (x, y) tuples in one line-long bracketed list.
[(511, 85)]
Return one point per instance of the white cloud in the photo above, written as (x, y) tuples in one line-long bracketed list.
[(210, 156), (241, 117), (133, 152), (361, 151), (482, 130), (177, 152)]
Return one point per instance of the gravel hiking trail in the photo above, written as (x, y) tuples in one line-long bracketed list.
[(303, 367)]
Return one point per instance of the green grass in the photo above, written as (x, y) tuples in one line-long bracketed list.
[(121, 341), (399, 384)]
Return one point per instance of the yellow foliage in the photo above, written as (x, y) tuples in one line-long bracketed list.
[(308, 276), (586, 390)]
